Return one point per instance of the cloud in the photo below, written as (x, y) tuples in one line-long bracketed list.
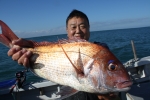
[(94, 26), (120, 24), (54, 31)]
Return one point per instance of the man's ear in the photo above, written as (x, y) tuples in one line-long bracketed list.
[(67, 29)]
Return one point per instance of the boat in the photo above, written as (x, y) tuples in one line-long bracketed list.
[(18, 89), (139, 71)]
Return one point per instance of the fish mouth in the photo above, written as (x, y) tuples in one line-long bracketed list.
[(123, 86), (123, 89), (118, 87)]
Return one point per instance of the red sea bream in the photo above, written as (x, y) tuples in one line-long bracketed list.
[(79, 64)]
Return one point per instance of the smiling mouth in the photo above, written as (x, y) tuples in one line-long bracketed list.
[(78, 37)]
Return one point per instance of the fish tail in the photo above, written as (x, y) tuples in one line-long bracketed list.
[(7, 35)]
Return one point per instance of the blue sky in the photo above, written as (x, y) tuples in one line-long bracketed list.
[(31, 18)]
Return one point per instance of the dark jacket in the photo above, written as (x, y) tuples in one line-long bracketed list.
[(83, 96)]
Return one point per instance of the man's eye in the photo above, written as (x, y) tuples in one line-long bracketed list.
[(82, 26), (73, 27)]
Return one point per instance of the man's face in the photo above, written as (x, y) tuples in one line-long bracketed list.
[(78, 27)]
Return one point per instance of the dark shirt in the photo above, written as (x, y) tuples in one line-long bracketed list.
[(83, 96), (102, 44)]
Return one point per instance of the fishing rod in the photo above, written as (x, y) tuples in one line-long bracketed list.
[(134, 50)]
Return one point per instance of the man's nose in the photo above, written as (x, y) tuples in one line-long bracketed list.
[(78, 30)]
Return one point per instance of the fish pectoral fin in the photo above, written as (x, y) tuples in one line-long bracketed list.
[(78, 69), (87, 67), (79, 63), (66, 91), (38, 66), (35, 67)]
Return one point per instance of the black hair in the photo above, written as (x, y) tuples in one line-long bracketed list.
[(77, 13)]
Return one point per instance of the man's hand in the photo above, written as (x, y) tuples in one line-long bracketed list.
[(109, 96), (19, 54)]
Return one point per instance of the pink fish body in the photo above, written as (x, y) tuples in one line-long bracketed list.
[(79, 64)]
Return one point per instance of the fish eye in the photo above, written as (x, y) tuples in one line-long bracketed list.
[(112, 67)]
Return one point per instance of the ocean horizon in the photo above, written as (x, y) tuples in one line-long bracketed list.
[(118, 40)]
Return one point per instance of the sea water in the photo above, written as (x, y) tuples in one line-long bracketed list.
[(119, 42)]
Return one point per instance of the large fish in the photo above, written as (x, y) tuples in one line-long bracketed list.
[(79, 64)]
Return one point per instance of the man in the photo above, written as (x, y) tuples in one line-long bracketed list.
[(77, 26)]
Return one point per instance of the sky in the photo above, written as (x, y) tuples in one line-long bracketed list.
[(32, 18)]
